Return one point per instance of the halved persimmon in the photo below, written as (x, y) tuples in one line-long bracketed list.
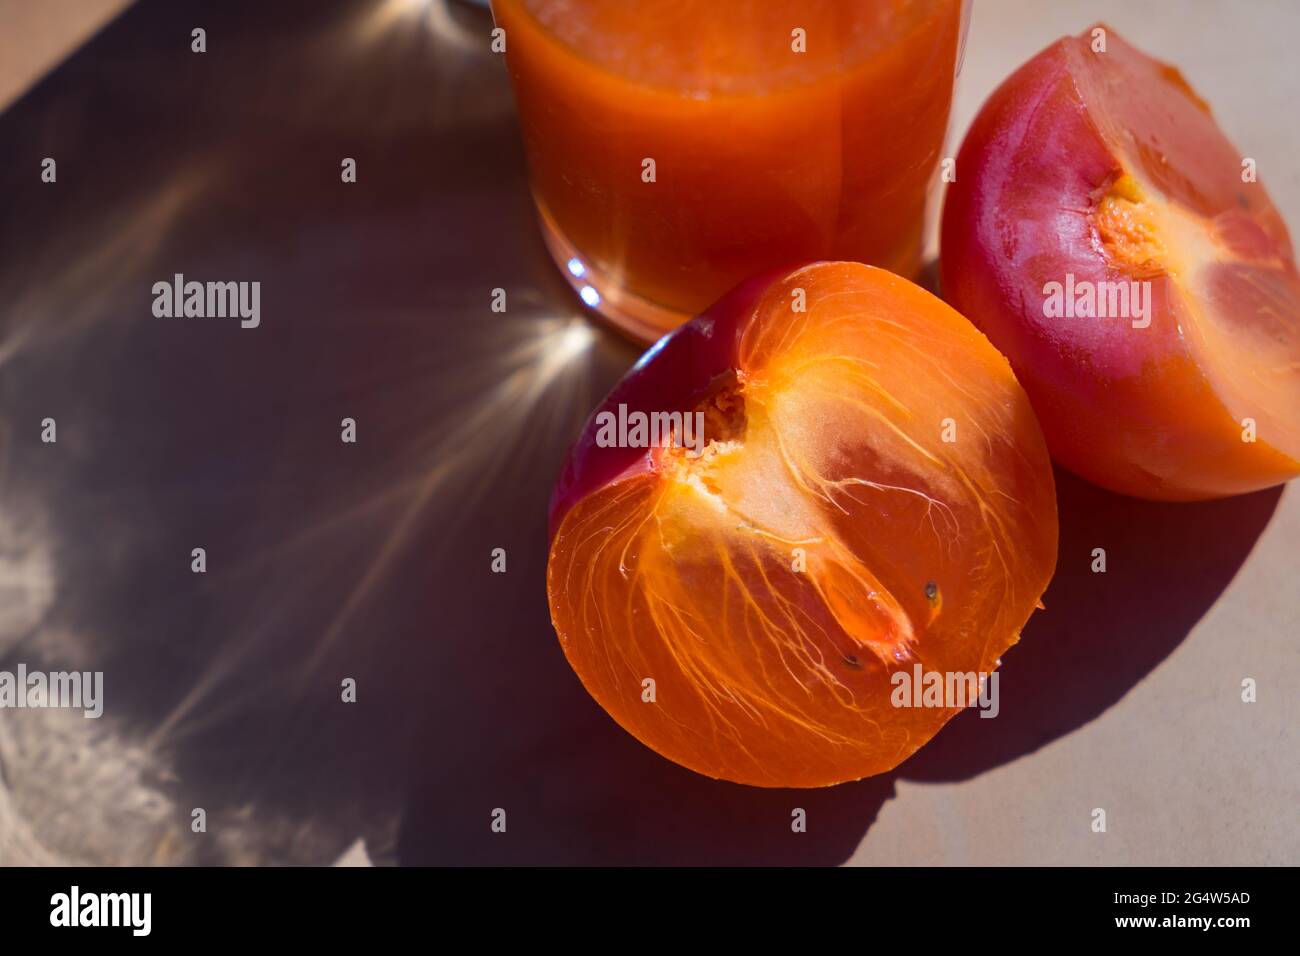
[(872, 493), (1096, 175)]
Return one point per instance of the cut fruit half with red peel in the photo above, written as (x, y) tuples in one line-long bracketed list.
[(873, 496), (1107, 169)]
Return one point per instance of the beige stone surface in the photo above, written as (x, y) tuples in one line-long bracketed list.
[(35, 35)]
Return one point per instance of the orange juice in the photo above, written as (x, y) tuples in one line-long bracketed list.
[(677, 147)]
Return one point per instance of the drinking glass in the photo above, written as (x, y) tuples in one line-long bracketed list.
[(677, 147)]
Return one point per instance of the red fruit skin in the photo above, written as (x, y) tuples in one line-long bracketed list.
[(673, 375), (1131, 410)]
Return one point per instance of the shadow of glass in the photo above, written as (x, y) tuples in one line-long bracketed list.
[(325, 561)]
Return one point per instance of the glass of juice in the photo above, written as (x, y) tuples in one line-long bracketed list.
[(678, 147)]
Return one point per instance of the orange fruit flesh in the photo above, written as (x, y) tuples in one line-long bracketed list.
[(1235, 296), (828, 538), (1184, 215)]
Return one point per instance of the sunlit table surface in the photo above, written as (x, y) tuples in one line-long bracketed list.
[(372, 561)]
